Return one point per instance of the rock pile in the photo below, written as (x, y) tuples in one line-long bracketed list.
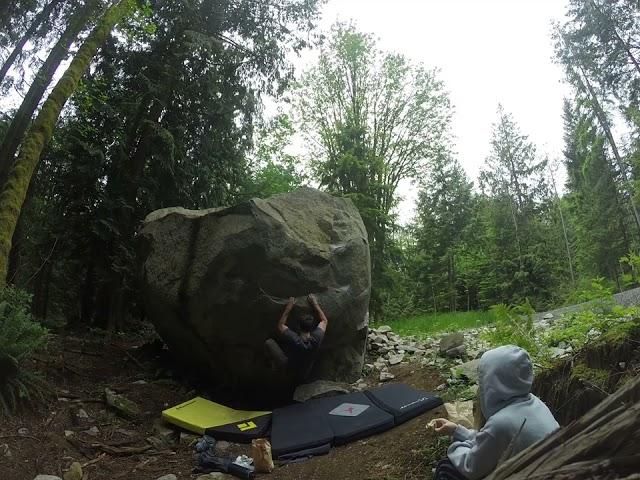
[(446, 353)]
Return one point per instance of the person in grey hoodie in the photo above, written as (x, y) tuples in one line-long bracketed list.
[(515, 418)]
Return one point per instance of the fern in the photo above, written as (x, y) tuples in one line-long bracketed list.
[(20, 336)]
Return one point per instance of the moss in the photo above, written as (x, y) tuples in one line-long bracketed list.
[(594, 376), (15, 190)]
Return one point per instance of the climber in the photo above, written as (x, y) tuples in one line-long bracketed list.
[(293, 350), (515, 418)]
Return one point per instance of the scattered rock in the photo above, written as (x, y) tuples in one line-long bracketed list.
[(69, 433), (82, 413), (74, 472), (622, 365), (5, 451), (452, 340), (222, 447), (562, 345), (383, 329), (548, 316), (215, 476), (157, 443), (460, 413), (319, 389), (386, 376), (468, 369), (187, 438), (121, 404), (23, 431), (139, 382), (396, 359), (170, 476), (163, 431), (456, 352), (47, 477), (557, 352), (93, 431)]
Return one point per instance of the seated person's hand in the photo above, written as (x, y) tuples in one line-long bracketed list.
[(444, 426)]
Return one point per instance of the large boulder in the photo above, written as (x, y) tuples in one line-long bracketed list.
[(215, 283)]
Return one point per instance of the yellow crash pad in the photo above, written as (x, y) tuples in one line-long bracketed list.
[(199, 414)]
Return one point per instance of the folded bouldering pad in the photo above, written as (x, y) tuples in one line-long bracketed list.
[(402, 401), (223, 423)]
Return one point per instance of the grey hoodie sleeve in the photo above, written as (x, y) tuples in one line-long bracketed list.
[(462, 433), (477, 456)]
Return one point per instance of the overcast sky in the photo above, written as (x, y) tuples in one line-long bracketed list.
[(488, 51)]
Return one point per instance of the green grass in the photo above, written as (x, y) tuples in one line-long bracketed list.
[(428, 325)]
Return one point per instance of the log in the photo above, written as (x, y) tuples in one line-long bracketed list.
[(602, 444)]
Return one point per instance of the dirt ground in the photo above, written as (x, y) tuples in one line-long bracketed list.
[(108, 446)]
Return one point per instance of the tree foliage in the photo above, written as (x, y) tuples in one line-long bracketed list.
[(373, 119)]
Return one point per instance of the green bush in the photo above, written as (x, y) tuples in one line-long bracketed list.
[(614, 322), (20, 335), (513, 326)]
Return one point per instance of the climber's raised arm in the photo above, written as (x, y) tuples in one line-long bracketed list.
[(322, 325), (282, 323)]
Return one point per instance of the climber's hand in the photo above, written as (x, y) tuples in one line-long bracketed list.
[(312, 299)]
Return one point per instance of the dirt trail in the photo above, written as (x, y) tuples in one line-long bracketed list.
[(81, 368)]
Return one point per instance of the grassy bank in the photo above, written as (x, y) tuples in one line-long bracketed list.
[(430, 324)]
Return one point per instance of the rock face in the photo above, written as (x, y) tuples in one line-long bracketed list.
[(215, 283)]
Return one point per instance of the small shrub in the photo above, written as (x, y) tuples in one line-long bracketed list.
[(612, 322), (513, 326), (20, 336)]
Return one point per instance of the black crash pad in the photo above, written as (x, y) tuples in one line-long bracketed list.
[(243, 431), (402, 401), (347, 429), (315, 424), (333, 420), (298, 427)]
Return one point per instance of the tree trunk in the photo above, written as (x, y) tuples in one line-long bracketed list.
[(564, 228), (41, 131), (602, 444), (37, 21), (604, 123), (20, 122), (42, 283)]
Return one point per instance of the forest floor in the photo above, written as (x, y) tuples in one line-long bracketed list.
[(78, 426)]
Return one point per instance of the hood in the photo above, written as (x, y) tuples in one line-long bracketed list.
[(504, 374)]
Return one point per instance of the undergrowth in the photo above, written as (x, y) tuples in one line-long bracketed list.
[(513, 326), (429, 324), (434, 452), (20, 336)]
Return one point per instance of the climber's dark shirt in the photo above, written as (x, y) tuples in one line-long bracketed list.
[(295, 347)]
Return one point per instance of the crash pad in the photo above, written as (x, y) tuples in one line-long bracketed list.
[(201, 416), (316, 424), (402, 401)]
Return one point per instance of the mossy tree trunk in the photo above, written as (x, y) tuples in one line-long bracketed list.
[(41, 131), (20, 121)]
